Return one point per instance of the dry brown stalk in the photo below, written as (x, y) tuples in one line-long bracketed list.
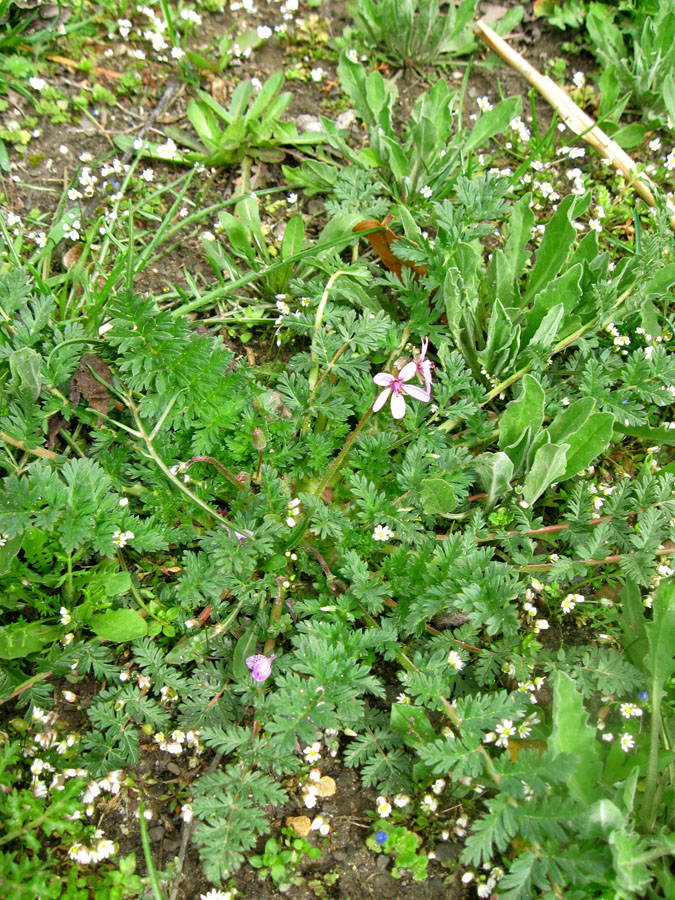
[(574, 117)]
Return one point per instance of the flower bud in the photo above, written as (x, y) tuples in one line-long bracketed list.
[(259, 441)]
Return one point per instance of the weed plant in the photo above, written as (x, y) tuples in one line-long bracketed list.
[(432, 534)]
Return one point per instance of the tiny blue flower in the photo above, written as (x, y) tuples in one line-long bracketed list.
[(380, 837), (116, 184), (643, 695)]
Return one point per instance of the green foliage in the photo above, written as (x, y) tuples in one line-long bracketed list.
[(280, 860), (428, 154), (251, 127), (634, 45), (415, 32)]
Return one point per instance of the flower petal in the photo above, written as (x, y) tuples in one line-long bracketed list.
[(408, 371), (398, 405), (384, 379), (381, 400), (425, 344), (412, 390)]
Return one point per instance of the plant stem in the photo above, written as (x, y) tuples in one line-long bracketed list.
[(152, 453), (648, 807), (145, 841), (221, 468), (342, 455)]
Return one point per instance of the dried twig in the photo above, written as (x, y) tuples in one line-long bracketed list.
[(574, 117)]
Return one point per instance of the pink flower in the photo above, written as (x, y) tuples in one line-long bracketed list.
[(239, 536), (260, 666), (423, 366), (397, 387)]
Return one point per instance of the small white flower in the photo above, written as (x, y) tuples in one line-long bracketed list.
[(382, 533), (312, 753), (627, 742), (429, 803), (79, 853), (104, 849), (455, 660), (38, 84), (505, 730), (264, 32), (65, 616), (426, 192), (438, 786), (579, 79), (383, 807), (401, 800), (316, 74)]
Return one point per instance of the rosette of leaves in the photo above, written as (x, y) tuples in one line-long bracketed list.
[(250, 127)]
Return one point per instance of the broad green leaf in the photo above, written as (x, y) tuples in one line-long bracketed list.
[(548, 328), (244, 648), (413, 724), (438, 496), (565, 290), (556, 243), (502, 340), (495, 121), (118, 625), (571, 733), (632, 621), (25, 367), (668, 90), (519, 233), (661, 281), (652, 435), (630, 136), (602, 817), (495, 471), (588, 443), (526, 411), (570, 420), (499, 279), (628, 853), (660, 657), (8, 551), (547, 466), (294, 236), (237, 235), (4, 157), (19, 640), (204, 123)]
